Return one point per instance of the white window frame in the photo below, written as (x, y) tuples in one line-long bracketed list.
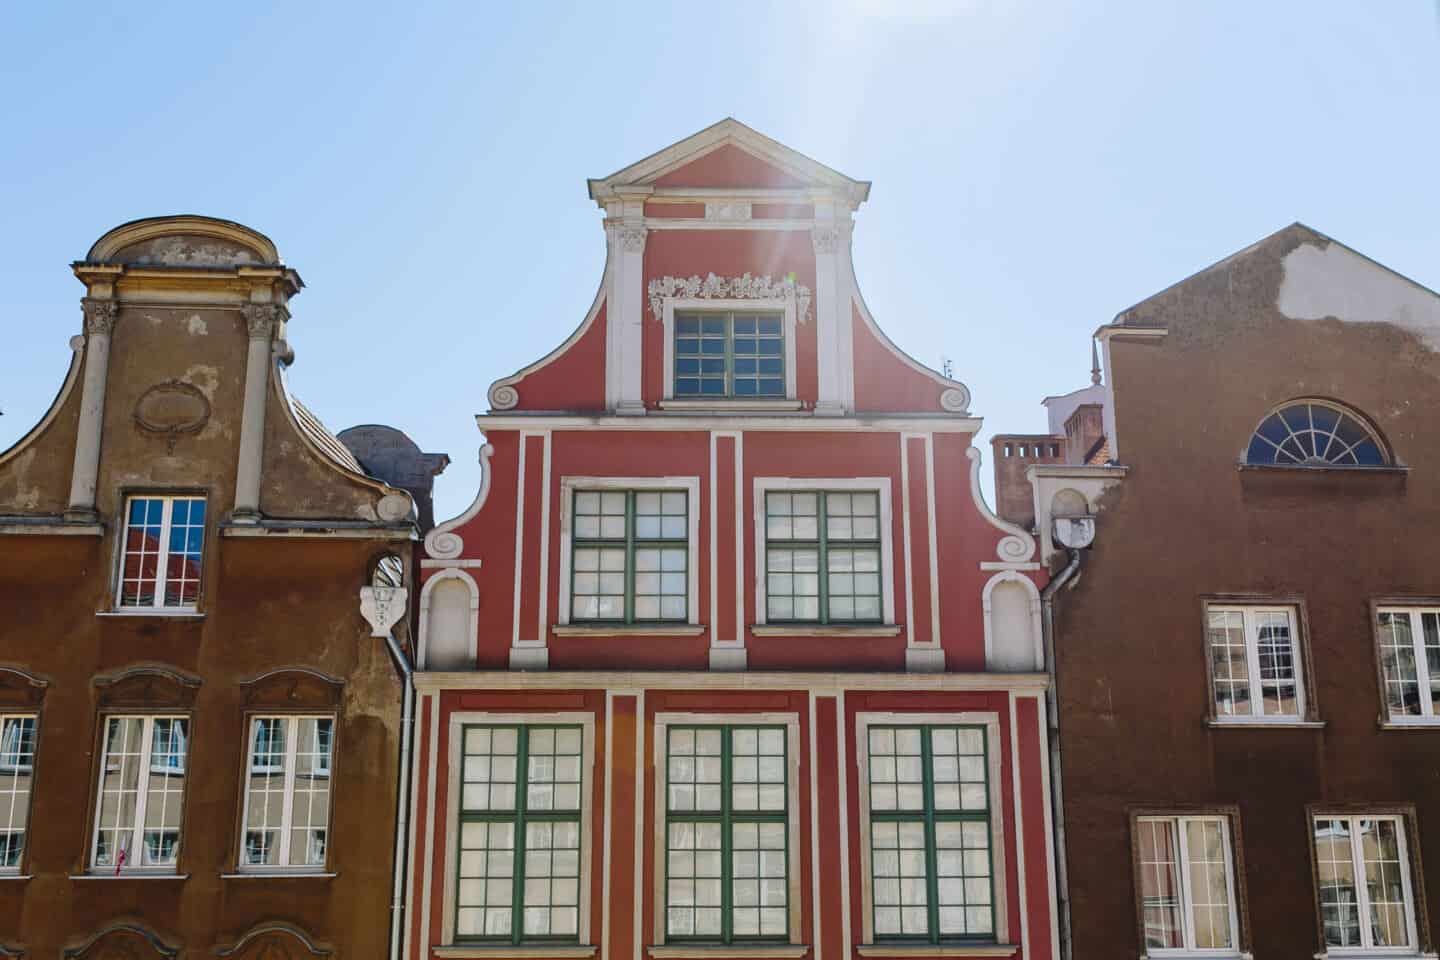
[(163, 557), (292, 745), (135, 860), (1427, 681), (994, 747), (5, 719), (1252, 660), (690, 486), (1362, 891), (787, 305), (1187, 901), (876, 485), (791, 723), (458, 721)]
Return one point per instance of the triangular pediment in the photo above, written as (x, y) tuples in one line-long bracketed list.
[(729, 155)]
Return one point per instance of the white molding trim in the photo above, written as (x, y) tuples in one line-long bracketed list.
[(815, 823), (671, 304), (1017, 546), (425, 926), (789, 422), (1033, 592), (993, 745), (585, 719), (691, 486), (1042, 722), (790, 720), (843, 770), (740, 540), (543, 623), (418, 826), (422, 644), (1019, 823), (519, 537), (630, 682), (605, 883), (934, 525), (905, 531), (639, 822), (879, 485)]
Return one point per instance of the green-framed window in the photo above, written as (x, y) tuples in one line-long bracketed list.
[(730, 355), (630, 556), (930, 856), (814, 531), (727, 834), (518, 871)]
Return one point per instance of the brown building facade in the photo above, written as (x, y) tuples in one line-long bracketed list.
[(1249, 660), (198, 730)]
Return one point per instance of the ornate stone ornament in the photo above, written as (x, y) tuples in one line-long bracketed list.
[(99, 315), (825, 239), (261, 319), (727, 210), (744, 287), (382, 608), (956, 399), (632, 239), (171, 409), (504, 396)]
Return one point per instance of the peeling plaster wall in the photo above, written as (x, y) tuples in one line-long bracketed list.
[(296, 484), (1326, 280), (37, 479)]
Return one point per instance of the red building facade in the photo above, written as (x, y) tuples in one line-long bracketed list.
[(728, 657)]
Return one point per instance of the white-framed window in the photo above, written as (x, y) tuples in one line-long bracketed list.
[(727, 829), (141, 794), (519, 828), (1186, 871), (1409, 639), (736, 351), (286, 820), (17, 774), (823, 551), (161, 553), (932, 834), (1364, 883), (1255, 663), (629, 550)]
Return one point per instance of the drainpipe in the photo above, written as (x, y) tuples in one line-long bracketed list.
[(1057, 793), (383, 606)]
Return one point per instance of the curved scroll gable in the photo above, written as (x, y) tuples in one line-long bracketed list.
[(273, 941), (147, 685), (121, 941), (77, 356), (1017, 546), (442, 543), (20, 689), (505, 393), (293, 687)]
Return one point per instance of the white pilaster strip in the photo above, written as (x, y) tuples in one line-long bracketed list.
[(714, 549), (933, 524), (418, 827), (905, 528), (740, 539), (1019, 827), (815, 829), (99, 321), (1042, 722), (844, 952), (825, 240), (543, 628), (430, 825), (519, 539), (260, 321), (639, 823), (605, 878)]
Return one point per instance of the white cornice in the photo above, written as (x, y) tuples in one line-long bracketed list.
[(800, 422), (707, 680)]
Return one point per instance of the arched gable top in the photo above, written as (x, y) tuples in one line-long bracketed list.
[(1317, 432), (252, 943), (120, 940)]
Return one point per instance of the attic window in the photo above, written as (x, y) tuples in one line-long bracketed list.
[(1316, 433), (729, 355)]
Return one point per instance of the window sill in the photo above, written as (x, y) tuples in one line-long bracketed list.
[(153, 614), (1411, 723), (1196, 955), (1265, 724), (729, 405), (111, 875), (1386, 954), (826, 629), (938, 950), (1301, 468), (628, 629), (279, 875), (718, 951), (17, 876), (501, 950)]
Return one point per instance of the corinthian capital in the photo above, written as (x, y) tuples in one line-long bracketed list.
[(825, 239), (632, 239), (260, 319), (99, 315)]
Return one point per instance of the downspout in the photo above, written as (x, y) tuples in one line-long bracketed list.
[(1057, 793), (383, 607)]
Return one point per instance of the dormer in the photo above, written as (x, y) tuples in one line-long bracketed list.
[(728, 289)]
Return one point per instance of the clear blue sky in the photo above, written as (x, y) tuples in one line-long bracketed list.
[(1038, 166)]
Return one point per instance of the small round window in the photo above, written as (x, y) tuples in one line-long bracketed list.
[(1315, 433)]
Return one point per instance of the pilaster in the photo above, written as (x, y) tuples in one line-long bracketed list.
[(830, 239), (261, 322), (625, 310), (100, 315)]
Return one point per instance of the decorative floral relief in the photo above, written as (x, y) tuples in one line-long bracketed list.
[(744, 287)]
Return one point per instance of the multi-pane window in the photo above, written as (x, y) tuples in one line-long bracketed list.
[(822, 557), (287, 793), (726, 830), (518, 874), (1255, 663), (930, 856), (163, 545), (630, 556), (1363, 873), (1410, 659), (142, 789), (1187, 897), (17, 772), (729, 355)]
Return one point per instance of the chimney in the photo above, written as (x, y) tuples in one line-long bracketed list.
[(1013, 452)]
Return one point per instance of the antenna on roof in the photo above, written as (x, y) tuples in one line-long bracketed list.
[(1094, 364), (947, 369)]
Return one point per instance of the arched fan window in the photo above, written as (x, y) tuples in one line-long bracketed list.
[(1316, 433)]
